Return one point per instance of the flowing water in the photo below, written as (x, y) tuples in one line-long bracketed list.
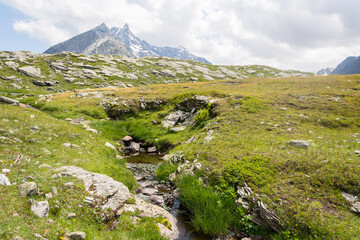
[(144, 168)]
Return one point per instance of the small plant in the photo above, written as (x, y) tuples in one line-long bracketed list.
[(131, 200), (165, 169), (202, 115)]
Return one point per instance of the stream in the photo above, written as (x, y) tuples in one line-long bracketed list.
[(143, 167)]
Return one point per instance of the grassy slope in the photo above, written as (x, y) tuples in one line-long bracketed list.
[(92, 156), (303, 186)]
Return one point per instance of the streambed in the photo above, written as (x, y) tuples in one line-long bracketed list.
[(143, 167)]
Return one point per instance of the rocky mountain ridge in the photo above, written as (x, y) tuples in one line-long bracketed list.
[(351, 65), (119, 41), (66, 71)]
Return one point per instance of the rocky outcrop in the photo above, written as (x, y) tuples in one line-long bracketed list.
[(260, 214), (117, 109), (187, 168), (30, 71), (109, 194), (354, 202)]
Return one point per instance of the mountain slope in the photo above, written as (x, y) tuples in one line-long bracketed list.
[(351, 65), (119, 41)]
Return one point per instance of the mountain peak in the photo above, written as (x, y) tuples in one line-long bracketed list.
[(102, 28), (126, 26)]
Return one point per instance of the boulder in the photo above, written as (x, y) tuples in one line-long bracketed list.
[(40, 209), (158, 200), (28, 189), (57, 66), (30, 71), (152, 149), (299, 144), (134, 146), (149, 191), (356, 207), (127, 139), (4, 181), (9, 100)]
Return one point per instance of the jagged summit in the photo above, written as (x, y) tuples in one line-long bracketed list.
[(119, 41)]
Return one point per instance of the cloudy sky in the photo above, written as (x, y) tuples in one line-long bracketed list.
[(289, 34)]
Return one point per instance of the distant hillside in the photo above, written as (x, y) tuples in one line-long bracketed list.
[(119, 41), (350, 65)]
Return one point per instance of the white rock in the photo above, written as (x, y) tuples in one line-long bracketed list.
[(4, 181), (5, 170), (40, 209), (110, 145)]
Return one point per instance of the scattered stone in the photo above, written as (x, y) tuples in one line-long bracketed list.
[(4, 181), (51, 221), (17, 238), (76, 235), (38, 236), (357, 151), (28, 189), (48, 195), (45, 166), (71, 215), (356, 207), (40, 209), (299, 143), (54, 191), (5, 170), (69, 184), (110, 145), (88, 199)]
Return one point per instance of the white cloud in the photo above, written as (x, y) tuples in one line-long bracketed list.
[(300, 34)]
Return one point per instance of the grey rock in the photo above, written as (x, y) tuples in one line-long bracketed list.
[(134, 146), (172, 119), (356, 207), (30, 71), (4, 181), (38, 236), (158, 200), (9, 100), (76, 235), (127, 139), (48, 195), (69, 184), (58, 66), (152, 149), (28, 189), (40, 209), (194, 103), (299, 143), (260, 214)]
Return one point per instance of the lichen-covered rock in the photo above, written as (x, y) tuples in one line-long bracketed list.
[(28, 189), (75, 235), (40, 209)]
